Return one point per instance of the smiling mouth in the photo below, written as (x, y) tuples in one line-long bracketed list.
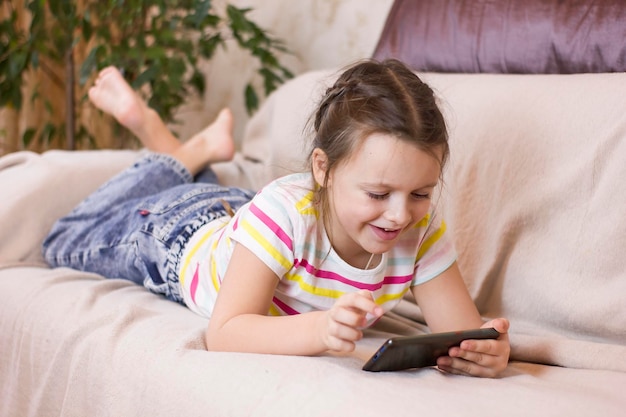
[(389, 229), (386, 233)]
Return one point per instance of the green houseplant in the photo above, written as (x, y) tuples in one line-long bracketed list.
[(158, 44)]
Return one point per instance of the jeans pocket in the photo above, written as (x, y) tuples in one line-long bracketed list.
[(168, 218)]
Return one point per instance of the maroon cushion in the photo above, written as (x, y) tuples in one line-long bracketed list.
[(507, 36)]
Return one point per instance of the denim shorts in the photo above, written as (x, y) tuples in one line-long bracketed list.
[(136, 225)]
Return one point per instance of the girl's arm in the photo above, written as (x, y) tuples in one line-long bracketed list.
[(447, 306), (240, 323)]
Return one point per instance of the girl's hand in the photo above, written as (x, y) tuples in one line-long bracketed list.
[(485, 358), (341, 326)]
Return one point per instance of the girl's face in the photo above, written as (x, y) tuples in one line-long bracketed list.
[(379, 192)]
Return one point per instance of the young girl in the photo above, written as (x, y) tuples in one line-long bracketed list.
[(311, 259)]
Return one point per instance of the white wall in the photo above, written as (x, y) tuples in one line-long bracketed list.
[(320, 33)]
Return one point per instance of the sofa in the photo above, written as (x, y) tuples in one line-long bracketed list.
[(534, 94)]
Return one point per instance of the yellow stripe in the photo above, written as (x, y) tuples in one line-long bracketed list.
[(322, 292), (192, 253), (388, 297), (423, 222), (216, 284), (273, 311), (428, 243), (266, 245), (304, 206)]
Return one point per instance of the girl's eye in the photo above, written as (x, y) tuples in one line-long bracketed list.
[(377, 196), (419, 196)]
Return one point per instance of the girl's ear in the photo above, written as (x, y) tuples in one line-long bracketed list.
[(319, 163)]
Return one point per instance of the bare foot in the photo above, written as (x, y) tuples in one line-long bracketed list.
[(218, 137), (113, 95), (213, 144)]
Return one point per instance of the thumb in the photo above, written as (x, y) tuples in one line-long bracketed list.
[(500, 324)]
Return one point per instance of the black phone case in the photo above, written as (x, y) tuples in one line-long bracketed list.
[(406, 352)]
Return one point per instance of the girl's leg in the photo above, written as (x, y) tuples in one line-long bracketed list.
[(135, 226), (112, 94), (213, 144), (126, 227)]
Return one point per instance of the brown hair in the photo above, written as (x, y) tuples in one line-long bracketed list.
[(377, 97)]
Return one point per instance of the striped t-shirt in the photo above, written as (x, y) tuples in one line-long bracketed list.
[(281, 227)]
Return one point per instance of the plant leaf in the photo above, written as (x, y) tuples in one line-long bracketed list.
[(252, 99)]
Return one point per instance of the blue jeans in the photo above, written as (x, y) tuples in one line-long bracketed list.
[(136, 225)]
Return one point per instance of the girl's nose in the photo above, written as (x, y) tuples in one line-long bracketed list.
[(398, 212)]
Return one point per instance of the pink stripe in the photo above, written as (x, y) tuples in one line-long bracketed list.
[(285, 307), (320, 273), (236, 224), (272, 226), (194, 284)]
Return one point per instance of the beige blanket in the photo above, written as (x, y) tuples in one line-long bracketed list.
[(535, 193)]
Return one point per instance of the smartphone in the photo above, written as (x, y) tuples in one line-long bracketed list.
[(406, 352)]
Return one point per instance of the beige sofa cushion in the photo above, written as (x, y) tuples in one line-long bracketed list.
[(38, 189)]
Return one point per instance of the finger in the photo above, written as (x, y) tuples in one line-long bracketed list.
[(488, 347), (491, 353), (365, 294), (342, 337), (340, 345), (500, 324), (458, 366), (478, 358), (488, 362), (362, 301), (348, 316)]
